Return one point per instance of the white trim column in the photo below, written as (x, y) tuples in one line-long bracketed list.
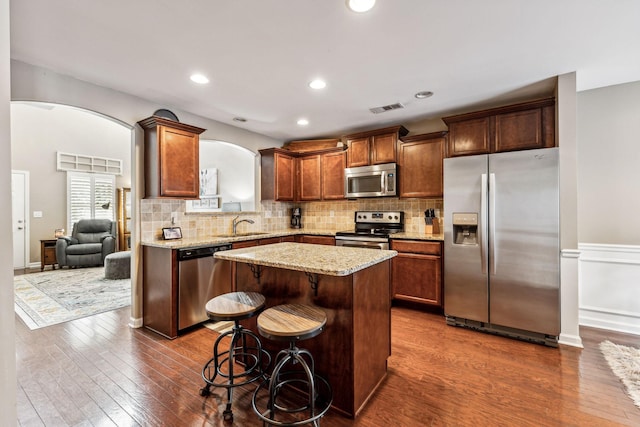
[(569, 296), (8, 384), (566, 136)]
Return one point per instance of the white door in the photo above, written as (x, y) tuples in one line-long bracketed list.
[(19, 192)]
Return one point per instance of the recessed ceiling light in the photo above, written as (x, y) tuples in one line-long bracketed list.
[(317, 84), (303, 122), (360, 5), (423, 94), (199, 78), (239, 119)]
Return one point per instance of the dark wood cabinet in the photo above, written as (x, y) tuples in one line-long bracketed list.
[(171, 158), (48, 253), (278, 174), (316, 240), (310, 172), (470, 137), (420, 165), (521, 126), (260, 242), (321, 175), (373, 147), (160, 290), (416, 273), (291, 176), (332, 175)]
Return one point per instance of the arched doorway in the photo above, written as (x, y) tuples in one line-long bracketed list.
[(48, 129)]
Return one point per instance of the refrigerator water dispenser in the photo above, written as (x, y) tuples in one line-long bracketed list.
[(465, 228)]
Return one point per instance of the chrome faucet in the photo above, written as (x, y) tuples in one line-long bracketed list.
[(236, 222)]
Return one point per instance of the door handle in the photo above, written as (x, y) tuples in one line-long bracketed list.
[(481, 225), (492, 222)]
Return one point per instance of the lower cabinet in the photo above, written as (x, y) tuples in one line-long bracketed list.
[(317, 240), (416, 273)]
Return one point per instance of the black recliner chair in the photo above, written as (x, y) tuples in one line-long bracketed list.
[(90, 242)]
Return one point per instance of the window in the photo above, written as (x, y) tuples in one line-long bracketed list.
[(90, 195)]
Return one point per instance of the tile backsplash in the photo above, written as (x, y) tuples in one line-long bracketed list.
[(275, 216)]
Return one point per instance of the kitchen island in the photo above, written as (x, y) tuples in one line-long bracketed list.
[(351, 285)]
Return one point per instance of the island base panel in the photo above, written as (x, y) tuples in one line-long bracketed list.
[(351, 353)]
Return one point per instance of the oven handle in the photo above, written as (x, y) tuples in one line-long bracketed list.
[(363, 245), (362, 239)]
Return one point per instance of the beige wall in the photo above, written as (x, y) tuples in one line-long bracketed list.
[(31, 83), (46, 129), (608, 170)]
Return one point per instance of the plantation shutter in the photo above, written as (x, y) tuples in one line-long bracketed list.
[(89, 195)]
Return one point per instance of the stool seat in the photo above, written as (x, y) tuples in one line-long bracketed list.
[(291, 321), (235, 306)]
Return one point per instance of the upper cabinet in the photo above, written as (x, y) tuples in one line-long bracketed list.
[(306, 176), (373, 147), (321, 175), (278, 174), (420, 165), (171, 158), (309, 181), (332, 174), (516, 127)]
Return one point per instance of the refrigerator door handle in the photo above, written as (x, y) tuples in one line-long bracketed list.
[(492, 222), (481, 226)]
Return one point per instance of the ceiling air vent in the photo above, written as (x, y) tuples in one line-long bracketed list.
[(384, 108)]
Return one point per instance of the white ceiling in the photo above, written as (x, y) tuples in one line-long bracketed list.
[(260, 54)]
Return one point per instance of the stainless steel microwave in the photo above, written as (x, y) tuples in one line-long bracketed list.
[(370, 181)]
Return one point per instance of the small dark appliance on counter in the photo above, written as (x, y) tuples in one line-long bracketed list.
[(296, 218)]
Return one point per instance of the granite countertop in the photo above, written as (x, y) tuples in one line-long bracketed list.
[(221, 239), (321, 259)]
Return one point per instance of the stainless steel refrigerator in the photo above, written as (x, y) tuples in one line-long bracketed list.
[(501, 237)]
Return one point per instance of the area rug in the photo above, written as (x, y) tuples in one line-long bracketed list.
[(625, 363), (56, 296)]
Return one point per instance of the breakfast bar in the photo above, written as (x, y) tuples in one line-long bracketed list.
[(351, 285)]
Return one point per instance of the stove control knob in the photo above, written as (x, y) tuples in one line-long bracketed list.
[(396, 217), (390, 217), (364, 217)]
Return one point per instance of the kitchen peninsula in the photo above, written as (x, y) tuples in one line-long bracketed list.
[(351, 285)]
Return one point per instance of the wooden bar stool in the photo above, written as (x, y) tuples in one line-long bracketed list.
[(294, 389), (235, 306)]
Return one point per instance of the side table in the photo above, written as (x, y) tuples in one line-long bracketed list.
[(48, 253)]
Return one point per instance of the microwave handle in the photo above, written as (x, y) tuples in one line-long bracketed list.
[(383, 182)]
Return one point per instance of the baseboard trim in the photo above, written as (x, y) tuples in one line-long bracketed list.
[(570, 340), (135, 322)]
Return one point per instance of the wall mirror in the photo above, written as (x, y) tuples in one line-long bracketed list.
[(227, 178)]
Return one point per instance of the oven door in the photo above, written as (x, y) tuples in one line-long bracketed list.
[(362, 242)]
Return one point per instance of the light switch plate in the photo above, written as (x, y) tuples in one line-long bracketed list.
[(37, 214)]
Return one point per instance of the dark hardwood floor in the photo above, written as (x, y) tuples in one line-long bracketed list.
[(98, 371)]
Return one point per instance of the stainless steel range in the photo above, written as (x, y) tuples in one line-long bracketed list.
[(372, 229)]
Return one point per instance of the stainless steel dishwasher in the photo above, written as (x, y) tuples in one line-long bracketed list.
[(201, 277)]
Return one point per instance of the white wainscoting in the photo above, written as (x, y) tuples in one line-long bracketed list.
[(610, 287)]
